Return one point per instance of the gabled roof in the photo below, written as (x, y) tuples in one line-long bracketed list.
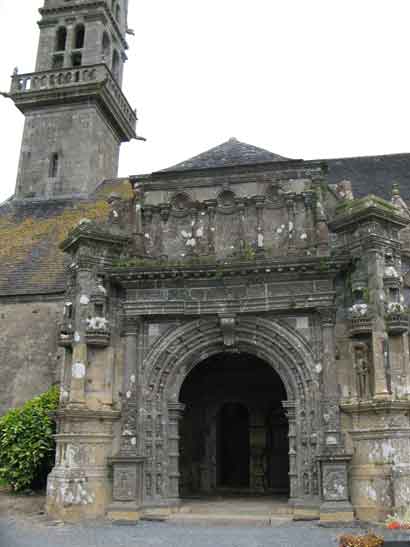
[(230, 153)]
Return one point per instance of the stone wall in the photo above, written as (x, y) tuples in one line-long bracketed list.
[(29, 360), (63, 131)]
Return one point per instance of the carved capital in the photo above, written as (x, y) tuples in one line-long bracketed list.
[(228, 325), (176, 411), (290, 409), (327, 316), (148, 212), (165, 210), (131, 326)]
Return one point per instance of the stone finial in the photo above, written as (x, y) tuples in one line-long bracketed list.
[(398, 201), (344, 190), (113, 197)]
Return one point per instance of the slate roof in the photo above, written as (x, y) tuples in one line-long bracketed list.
[(373, 174), (230, 153), (368, 174), (30, 233)]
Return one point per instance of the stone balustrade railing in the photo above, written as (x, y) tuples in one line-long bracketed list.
[(397, 323), (360, 325), (66, 77)]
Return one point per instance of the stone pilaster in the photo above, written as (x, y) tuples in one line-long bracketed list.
[(211, 208), (128, 465), (138, 242), (175, 414), (290, 409), (84, 283), (330, 387), (322, 229), (260, 236), (333, 461), (375, 265)]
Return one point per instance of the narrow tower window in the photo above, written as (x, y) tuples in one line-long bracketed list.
[(54, 161), (106, 48), (76, 59), (79, 35), (116, 64), (61, 39)]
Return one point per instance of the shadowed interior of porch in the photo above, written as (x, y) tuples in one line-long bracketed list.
[(234, 433)]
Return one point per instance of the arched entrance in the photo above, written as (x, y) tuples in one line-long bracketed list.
[(234, 431), (171, 366)]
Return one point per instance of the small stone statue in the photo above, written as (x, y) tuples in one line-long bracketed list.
[(362, 369)]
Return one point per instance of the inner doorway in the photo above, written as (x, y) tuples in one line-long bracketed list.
[(234, 432), (233, 446)]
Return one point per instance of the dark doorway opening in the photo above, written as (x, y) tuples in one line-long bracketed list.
[(234, 432), (233, 446)]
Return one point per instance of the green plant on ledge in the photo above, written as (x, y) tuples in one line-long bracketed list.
[(26, 442)]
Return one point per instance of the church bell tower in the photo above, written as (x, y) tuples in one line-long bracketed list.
[(76, 115)]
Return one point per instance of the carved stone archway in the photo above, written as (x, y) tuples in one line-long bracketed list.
[(179, 351)]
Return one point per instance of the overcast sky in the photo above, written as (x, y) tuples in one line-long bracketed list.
[(302, 78)]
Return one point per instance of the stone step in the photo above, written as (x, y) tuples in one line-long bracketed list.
[(156, 514), (280, 511), (227, 519)]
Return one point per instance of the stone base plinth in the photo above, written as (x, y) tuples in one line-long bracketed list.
[(306, 509), (124, 512), (336, 512), (73, 497)]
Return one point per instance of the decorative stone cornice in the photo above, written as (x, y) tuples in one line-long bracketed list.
[(85, 414), (368, 208), (91, 233), (374, 406), (208, 267)]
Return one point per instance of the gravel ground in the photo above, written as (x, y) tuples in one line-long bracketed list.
[(33, 532)]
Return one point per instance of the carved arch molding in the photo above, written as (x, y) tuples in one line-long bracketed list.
[(179, 351)]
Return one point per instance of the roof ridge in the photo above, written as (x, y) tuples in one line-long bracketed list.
[(228, 154)]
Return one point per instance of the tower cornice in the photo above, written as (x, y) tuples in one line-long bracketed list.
[(75, 85)]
